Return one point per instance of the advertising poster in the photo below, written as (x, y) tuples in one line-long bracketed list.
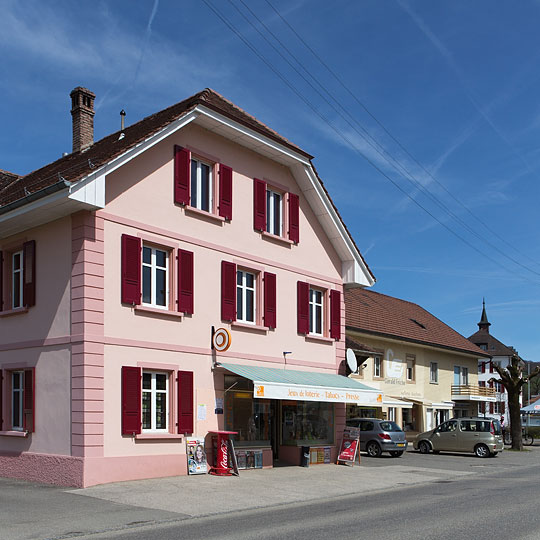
[(196, 456), (349, 445)]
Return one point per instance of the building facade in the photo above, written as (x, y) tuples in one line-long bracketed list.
[(426, 371), (181, 276), (487, 376)]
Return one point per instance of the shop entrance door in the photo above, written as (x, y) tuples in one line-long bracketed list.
[(274, 427)]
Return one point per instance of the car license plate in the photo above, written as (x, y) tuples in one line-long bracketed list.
[(401, 444)]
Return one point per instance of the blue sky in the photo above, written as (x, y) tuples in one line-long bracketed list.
[(426, 131)]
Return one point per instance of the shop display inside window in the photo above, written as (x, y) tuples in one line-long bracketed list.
[(306, 422), (249, 417)]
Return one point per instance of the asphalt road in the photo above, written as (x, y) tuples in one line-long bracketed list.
[(422, 497), (499, 507)]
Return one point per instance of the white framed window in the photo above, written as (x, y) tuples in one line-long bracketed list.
[(461, 376), (411, 361), (433, 372), (201, 185), (316, 299), (155, 401), (274, 212), (499, 387), (155, 277), (377, 367), (246, 305), (17, 280), (17, 406)]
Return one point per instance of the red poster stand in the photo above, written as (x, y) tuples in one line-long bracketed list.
[(349, 446), (222, 463)]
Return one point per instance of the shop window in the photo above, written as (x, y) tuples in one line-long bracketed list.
[(392, 414), (249, 417), (307, 423)]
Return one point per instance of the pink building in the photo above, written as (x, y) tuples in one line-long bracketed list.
[(119, 261)]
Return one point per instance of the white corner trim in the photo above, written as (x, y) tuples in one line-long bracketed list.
[(89, 190), (354, 270)]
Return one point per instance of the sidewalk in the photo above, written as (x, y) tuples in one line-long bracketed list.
[(37, 511)]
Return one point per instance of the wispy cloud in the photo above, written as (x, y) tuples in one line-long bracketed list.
[(106, 47), (449, 57)]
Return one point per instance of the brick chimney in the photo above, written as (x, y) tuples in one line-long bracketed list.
[(82, 111)]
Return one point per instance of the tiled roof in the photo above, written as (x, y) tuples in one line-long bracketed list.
[(7, 178), (494, 346), (378, 314), (357, 346), (77, 165)]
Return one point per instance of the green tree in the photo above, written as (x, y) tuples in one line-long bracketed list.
[(513, 377)]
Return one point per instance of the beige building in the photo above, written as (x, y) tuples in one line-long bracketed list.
[(425, 369)]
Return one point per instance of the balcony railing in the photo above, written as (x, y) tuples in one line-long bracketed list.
[(472, 392)]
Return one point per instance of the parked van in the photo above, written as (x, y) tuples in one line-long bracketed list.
[(483, 436)]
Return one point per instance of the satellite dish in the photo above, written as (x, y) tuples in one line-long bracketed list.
[(352, 363)]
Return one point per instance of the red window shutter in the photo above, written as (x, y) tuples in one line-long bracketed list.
[(182, 164), (294, 218), (270, 300), (225, 191), (228, 291), (335, 315), (491, 370), (503, 407), (492, 408), (131, 269), (259, 205), (29, 399), (1, 400), (29, 273), (185, 402), (185, 281), (131, 400), (483, 367), (491, 384), (1, 284), (303, 307)]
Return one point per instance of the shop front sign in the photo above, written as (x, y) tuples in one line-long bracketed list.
[(316, 393)]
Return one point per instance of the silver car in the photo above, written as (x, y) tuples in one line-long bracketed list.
[(483, 436), (378, 436)]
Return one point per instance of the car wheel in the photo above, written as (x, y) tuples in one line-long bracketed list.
[(424, 447), (373, 449), (481, 450), (396, 453)]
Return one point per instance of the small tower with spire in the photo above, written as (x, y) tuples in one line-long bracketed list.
[(484, 324)]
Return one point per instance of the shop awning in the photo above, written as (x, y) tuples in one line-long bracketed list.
[(274, 383), (393, 402), (443, 405)]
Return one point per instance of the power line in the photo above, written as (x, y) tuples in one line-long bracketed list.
[(397, 165), (395, 139), (344, 137)]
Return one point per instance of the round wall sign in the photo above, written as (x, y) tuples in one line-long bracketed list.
[(221, 339)]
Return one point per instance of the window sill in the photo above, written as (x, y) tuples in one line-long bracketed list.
[(275, 237), (323, 339), (154, 436), (247, 326), (204, 214), (14, 433), (157, 311), (16, 311)]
